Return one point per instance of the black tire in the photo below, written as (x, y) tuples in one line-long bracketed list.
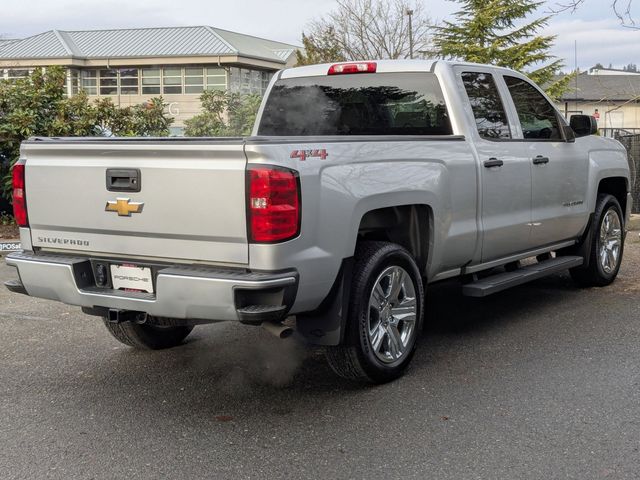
[(356, 359), (594, 274), (148, 336)]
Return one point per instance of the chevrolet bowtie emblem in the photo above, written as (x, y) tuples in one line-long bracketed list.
[(124, 206)]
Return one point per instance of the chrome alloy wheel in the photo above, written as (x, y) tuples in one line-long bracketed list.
[(392, 314), (610, 241)]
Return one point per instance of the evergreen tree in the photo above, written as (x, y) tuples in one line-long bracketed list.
[(495, 32), (319, 47)]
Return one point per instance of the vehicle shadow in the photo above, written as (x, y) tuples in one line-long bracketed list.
[(449, 312), (231, 368)]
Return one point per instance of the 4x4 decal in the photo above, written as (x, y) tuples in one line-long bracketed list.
[(304, 154)]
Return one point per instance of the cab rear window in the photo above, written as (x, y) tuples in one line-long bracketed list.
[(362, 104)]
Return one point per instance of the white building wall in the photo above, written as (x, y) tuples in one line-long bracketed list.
[(612, 114)]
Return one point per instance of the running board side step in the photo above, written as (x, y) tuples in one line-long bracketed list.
[(502, 281)]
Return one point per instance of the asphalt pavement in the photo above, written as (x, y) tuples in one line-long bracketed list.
[(539, 382)]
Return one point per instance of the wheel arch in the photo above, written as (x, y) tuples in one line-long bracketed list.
[(616, 186), (408, 225)]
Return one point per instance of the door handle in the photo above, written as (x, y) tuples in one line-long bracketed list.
[(493, 162), (540, 160)]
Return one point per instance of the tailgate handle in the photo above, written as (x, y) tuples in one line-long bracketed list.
[(123, 180)]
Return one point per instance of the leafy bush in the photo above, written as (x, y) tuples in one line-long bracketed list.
[(6, 219), (37, 106), (224, 114)]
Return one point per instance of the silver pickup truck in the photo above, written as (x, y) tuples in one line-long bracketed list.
[(361, 184)]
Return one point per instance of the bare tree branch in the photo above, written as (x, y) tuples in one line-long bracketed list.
[(621, 9), (366, 29)]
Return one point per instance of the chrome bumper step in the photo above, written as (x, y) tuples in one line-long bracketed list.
[(15, 286)]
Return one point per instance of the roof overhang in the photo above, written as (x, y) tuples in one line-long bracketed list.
[(142, 61)]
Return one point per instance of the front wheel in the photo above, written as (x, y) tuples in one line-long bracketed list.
[(148, 336), (385, 315), (607, 245)]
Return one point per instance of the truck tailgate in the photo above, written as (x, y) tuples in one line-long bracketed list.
[(191, 191)]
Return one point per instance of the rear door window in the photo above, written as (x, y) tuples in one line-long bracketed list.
[(538, 118), (361, 104), (487, 106)]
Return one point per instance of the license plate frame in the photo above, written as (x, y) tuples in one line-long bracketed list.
[(132, 277)]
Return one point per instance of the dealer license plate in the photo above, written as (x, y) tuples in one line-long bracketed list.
[(130, 277)]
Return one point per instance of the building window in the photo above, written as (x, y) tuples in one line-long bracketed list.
[(129, 81), (122, 81), (216, 79), (172, 80), (266, 78), (246, 81), (89, 81), (193, 80), (234, 79), (108, 82), (150, 81), (74, 82), (256, 82), (15, 73)]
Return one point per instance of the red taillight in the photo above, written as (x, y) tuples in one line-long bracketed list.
[(359, 67), (273, 204), (19, 196)]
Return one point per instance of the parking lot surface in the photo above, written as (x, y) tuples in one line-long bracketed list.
[(539, 382)]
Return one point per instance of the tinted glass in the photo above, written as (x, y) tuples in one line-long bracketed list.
[(364, 104), (537, 116), (488, 110)]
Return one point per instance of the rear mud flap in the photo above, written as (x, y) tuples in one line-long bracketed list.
[(326, 325)]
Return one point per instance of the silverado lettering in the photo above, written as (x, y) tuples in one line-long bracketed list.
[(63, 241)]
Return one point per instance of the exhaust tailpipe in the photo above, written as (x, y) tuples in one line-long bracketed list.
[(279, 330)]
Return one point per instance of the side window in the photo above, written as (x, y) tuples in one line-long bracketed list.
[(488, 110), (537, 116)]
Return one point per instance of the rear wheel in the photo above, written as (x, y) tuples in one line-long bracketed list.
[(148, 336), (607, 245), (385, 315)]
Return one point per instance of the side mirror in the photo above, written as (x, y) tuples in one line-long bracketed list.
[(583, 125)]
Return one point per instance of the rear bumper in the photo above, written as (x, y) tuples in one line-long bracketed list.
[(182, 291)]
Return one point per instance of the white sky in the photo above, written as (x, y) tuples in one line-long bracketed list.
[(599, 34)]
